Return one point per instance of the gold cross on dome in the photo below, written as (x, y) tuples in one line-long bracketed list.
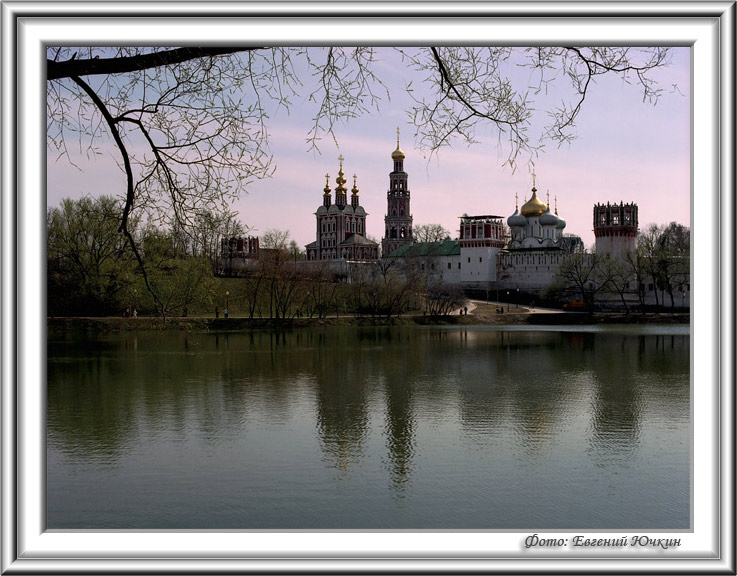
[(533, 177), (397, 136), (340, 159)]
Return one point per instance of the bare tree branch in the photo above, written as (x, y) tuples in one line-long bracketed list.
[(129, 183), (118, 65)]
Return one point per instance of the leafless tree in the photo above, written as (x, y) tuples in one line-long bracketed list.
[(474, 88), (430, 233), (619, 275), (582, 274)]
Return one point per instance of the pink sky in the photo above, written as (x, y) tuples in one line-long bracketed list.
[(625, 150)]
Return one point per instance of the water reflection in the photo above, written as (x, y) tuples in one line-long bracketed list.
[(402, 408), (399, 430)]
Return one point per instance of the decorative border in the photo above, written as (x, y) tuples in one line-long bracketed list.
[(25, 546)]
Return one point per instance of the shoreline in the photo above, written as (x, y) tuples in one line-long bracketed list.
[(65, 325)]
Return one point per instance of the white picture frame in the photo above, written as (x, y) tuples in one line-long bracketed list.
[(28, 547)]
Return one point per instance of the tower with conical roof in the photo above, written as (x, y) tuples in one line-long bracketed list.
[(398, 219)]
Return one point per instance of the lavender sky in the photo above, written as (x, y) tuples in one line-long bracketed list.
[(625, 150)]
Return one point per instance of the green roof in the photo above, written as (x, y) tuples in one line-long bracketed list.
[(424, 249)]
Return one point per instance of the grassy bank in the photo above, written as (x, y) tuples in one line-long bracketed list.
[(483, 315)]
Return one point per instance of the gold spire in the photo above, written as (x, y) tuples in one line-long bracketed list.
[(327, 185), (340, 180), (398, 154), (354, 190), (533, 181)]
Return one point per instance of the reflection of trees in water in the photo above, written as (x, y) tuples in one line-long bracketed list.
[(636, 379), (107, 395), (399, 429), (342, 405), (90, 413), (535, 382), (616, 402), (512, 381)]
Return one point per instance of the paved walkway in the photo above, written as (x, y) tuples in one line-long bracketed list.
[(530, 309), (471, 307)]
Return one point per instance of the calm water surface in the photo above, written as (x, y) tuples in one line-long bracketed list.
[(367, 428)]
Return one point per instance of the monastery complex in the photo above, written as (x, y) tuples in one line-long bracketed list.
[(520, 253)]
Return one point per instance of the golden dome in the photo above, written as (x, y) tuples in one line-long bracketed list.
[(326, 190), (340, 180), (534, 206)]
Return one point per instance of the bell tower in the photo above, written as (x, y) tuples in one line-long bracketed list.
[(398, 219)]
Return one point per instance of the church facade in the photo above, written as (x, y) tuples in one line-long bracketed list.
[(532, 257), (340, 226)]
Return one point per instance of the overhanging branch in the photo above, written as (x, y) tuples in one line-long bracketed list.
[(121, 64)]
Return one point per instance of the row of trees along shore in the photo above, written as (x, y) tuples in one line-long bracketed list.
[(92, 271)]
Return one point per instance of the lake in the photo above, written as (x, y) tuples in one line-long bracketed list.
[(371, 428)]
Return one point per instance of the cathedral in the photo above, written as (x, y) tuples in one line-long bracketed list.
[(341, 227), (536, 245)]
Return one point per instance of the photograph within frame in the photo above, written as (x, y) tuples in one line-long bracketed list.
[(313, 541)]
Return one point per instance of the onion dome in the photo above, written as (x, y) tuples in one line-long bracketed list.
[(354, 190), (326, 190), (398, 154), (516, 220), (548, 218), (340, 180), (534, 206)]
